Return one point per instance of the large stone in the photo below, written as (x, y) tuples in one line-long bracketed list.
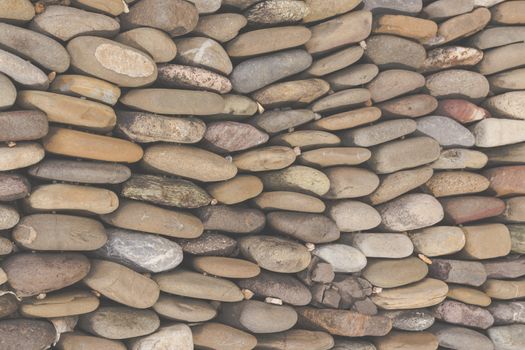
[(457, 271), (486, 241), (74, 340), (380, 245), (506, 181), (33, 274), (508, 337), (111, 7), (174, 17), (232, 219), (22, 71), (230, 136), (346, 120), (389, 51), (413, 106), (297, 178), (81, 85), (462, 111), (335, 61), (264, 159), (351, 216), (510, 80), (341, 100), (446, 131), (180, 76), (295, 339), (507, 312), (454, 312), (502, 58), (509, 13), (236, 190), (395, 82), (510, 267), (205, 53), (507, 105), (225, 267), (468, 295), (13, 186), (410, 320), (379, 133), (424, 293), (353, 345), (342, 257), (438, 240), (462, 209), (178, 335), (219, 336), (353, 76), (498, 36), (452, 183), (9, 217), (8, 305), (237, 107), (26, 334), (17, 11), (21, 156), (505, 289), (152, 41), (184, 309), (350, 182), (291, 93), (461, 26), (330, 156), (221, 27), (495, 132), (457, 83), (271, 12), (405, 26), (314, 228), (407, 341), (292, 201), (461, 338), (23, 125), (443, 9), (390, 273), (460, 158), (60, 304)]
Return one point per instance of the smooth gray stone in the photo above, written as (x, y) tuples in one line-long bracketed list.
[(258, 72), (352, 76), (389, 51), (342, 257), (380, 245), (509, 80), (378, 133), (23, 125), (507, 312), (508, 105), (22, 71), (457, 83), (393, 83), (26, 334), (508, 337), (442, 9), (204, 53), (498, 36), (471, 273), (209, 243), (410, 320), (65, 23), (411, 7), (141, 251), (179, 308), (341, 100), (511, 267), (277, 120), (7, 92), (446, 131), (460, 338), (313, 228), (175, 335), (502, 59)]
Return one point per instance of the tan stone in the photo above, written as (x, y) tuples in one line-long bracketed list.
[(486, 241), (264, 159), (504, 289), (407, 341), (438, 240), (221, 26), (461, 26), (291, 93), (203, 52), (390, 273), (346, 120), (236, 190), (225, 267), (60, 304), (306, 139), (81, 85), (406, 26), (468, 295), (453, 183), (222, 337), (424, 293), (321, 9), (291, 201), (22, 155), (509, 13), (336, 61), (350, 182), (297, 178), (152, 41), (330, 156)]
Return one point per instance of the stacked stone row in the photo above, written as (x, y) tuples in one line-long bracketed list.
[(262, 174)]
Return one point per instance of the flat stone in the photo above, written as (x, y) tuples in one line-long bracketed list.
[(380, 245), (152, 41), (53, 197), (510, 13), (232, 219), (81, 85), (264, 159), (165, 337), (222, 27), (462, 209), (236, 190), (395, 184), (350, 182), (462, 111), (180, 76), (451, 57), (457, 83), (507, 337), (351, 216), (395, 82), (296, 339), (297, 178), (467, 295), (504, 289), (347, 119), (424, 293), (15, 334), (174, 17), (111, 7), (497, 36), (335, 61), (341, 100), (512, 154), (8, 305), (462, 314), (495, 132), (184, 309), (275, 121), (165, 191), (438, 240), (461, 26), (444, 9), (343, 322), (353, 345), (394, 6), (405, 26), (60, 304), (209, 243), (451, 183), (13, 186), (9, 217), (517, 236), (510, 267), (33, 274), (275, 254), (22, 71), (314, 228), (291, 93), (121, 284), (353, 76), (59, 232), (174, 101), (343, 30), (21, 156), (486, 241), (413, 106), (276, 285), (507, 105), (222, 337), (237, 107), (195, 285), (388, 273), (6, 247), (38, 48), (507, 312), (321, 9), (410, 320), (74, 340), (407, 340), (84, 172), (7, 92), (342, 257), (230, 136), (460, 158), (205, 53), (379, 133), (206, 6), (292, 201), (502, 58), (461, 338), (330, 156), (506, 180), (470, 273), (119, 322), (510, 80), (225, 267), (23, 125), (389, 51), (271, 12), (69, 110), (65, 23), (17, 11)]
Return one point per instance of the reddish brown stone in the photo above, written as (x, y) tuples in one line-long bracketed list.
[(462, 111), (507, 180), (459, 210)]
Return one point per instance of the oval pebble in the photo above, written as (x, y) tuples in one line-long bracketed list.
[(314, 228), (342, 257), (351, 216), (380, 245)]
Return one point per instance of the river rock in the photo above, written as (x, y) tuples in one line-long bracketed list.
[(517, 236), (232, 219), (119, 322), (486, 241), (459, 158), (179, 334), (388, 51), (504, 289), (9, 217), (263, 159), (512, 154), (461, 338), (462, 111), (276, 120), (464, 209), (15, 334), (353, 345), (387, 273), (174, 17), (510, 80), (410, 320), (515, 210), (258, 72), (342, 257), (405, 26), (297, 178), (32, 274), (295, 339), (291, 93), (507, 312), (502, 58), (13, 186), (319, 9), (456, 271), (8, 92), (407, 341), (60, 304), (446, 131), (330, 156), (350, 182), (410, 106), (65, 23), (209, 243), (17, 11), (505, 181), (292, 201), (395, 82), (22, 71), (195, 285), (237, 107), (23, 125), (221, 27), (353, 76), (394, 6), (507, 337), (81, 85), (457, 83), (8, 305), (495, 132), (230, 136), (510, 13), (275, 254), (111, 7), (467, 315), (225, 267), (467, 295), (340, 100), (507, 105), (424, 293), (444, 9), (461, 26), (180, 76), (353, 216), (21, 156), (152, 41), (380, 245), (335, 61), (438, 240), (497, 36), (236, 190), (276, 11), (314, 228), (221, 337), (451, 183), (184, 309), (347, 119), (510, 267), (379, 133)]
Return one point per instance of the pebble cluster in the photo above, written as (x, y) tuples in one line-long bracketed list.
[(262, 174)]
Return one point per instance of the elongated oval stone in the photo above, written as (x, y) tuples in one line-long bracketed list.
[(424, 293), (152, 41), (180, 76), (310, 139), (405, 26), (507, 337), (351, 216), (486, 241), (446, 131), (460, 158), (350, 182), (510, 80), (389, 273), (256, 73), (347, 120), (14, 334), (507, 105), (330, 156), (297, 178), (111, 7), (174, 17), (462, 111), (69, 110), (410, 106), (291, 93), (22, 71), (512, 154), (510, 267), (514, 210), (407, 341), (232, 219), (74, 340), (455, 312), (452, 183), (229, 136), (395, 82), (457, 271), (225, 267), (9, 217), (507, 312), (119, 322), (112, 61), (389, 51), (502, 58), (380, 245), (165, 191), (451, 57), (121, 284), (264, 159), (195, 285), (17, 11), (59, 232), (13, 186), (292, 201), (81, 85), (72, 197), (275, 254), (22, 155), (184, 309), (314, 228), (410, 320), (80, 144), (497, 36), (209, 243), (461, 26), (507, 180), (236, 190), (23, 125), (222, 337), (258, 317), (174, 101), (341, 100), (457, 83), (335, 61), (179, 334), (462, 209), (140, 251), (504, 289), (379, 133), (495, 132), (205, 53), (438, 240), (296, 339), (352, 76), (221, 26), (237, 107), (61, 304), (468, 295), (276, 120), (65, 23), (32, 274), (445, 9), (342, 257), (7, 92), (273, 12), (285, 287)]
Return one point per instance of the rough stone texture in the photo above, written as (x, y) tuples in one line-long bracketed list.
[(467, 315), (342, 257), (410, 320), (424, 293), (26, 334), (457, 83), (22, 71), (507, 337), (229, 136)]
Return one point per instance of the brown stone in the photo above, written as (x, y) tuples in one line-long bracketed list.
[(457, 83), (330, 156), (451, 57), (225, 267), (292, 201), (461, 26), (194, 78), (505, 181), (463, 209), (350, 182), (291, 93), (221, 337), (508, 13), (26, 334), (393, 83), (232, 219), (297, 178), (410, 106), (462, 111), (390, 51), (275, 12), (486, 241), (406, 26), (390, 273), (341, 100), (352, 76), (321, 9), (313, 228), (352, 216), (209, 243), (74, 340), (504, 289), (264, 159), (407, 341), (236, 190), (307, 139), (152, 41), (460, 158), (184, 309), (379, 133), (438, 240), (230, 136), (453, 183), (82, 85), (510, 267), (467, 295), (22, 155), (221, 26), (60, 304), (335, 61), (295, 339), (348, 119), (9, 217), (424, 293)]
